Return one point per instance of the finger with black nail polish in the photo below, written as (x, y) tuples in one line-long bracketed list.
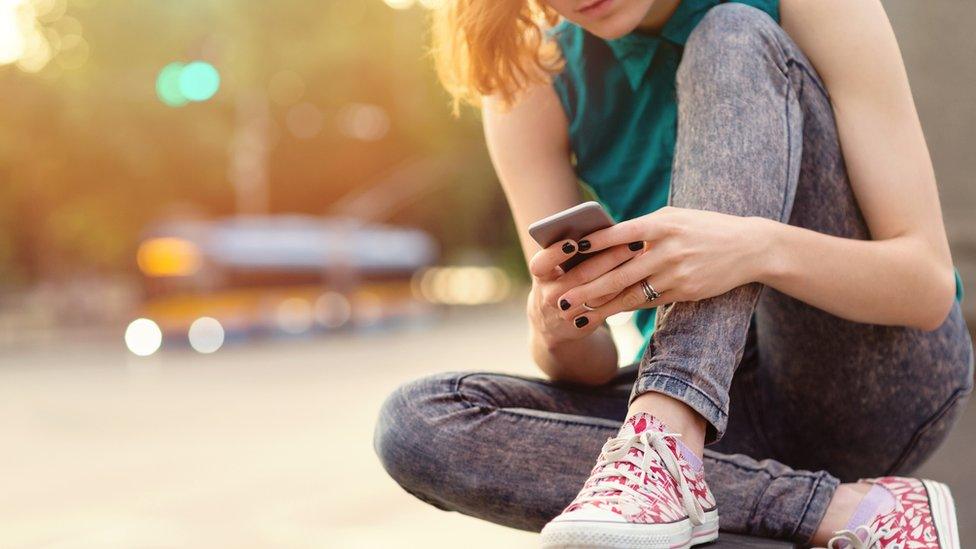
[(581, 321), (584, 245), (635, 246), (564, 305), (568, 248)]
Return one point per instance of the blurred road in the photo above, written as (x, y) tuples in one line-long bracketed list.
[(265, 445)]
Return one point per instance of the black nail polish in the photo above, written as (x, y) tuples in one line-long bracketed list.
[(584, 245), (563, 304), (634, 246), (581, 321), (568, 248)]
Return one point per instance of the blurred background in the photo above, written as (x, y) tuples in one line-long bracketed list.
[(229, 228)]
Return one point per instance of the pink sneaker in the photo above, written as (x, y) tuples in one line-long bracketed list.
[(924, 517), (642, 493)]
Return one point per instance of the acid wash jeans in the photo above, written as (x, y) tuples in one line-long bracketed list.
[(796, 400)]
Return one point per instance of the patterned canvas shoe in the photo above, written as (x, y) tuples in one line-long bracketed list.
[(643, 492), (924, 517)]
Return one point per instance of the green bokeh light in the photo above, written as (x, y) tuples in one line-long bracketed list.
[(179, 83), (198, 81), (168, 85)]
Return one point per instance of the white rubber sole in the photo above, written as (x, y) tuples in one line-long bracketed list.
[(943, 514), (707, 531), (619, 535)]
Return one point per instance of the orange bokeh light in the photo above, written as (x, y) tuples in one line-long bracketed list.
[(160, 257)]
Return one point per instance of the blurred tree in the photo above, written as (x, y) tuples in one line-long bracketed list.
[(89, 155)]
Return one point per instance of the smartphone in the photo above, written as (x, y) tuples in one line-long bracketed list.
[(573, 223)]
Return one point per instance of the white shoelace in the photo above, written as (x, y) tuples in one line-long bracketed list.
[(655, 450), (861, 538)]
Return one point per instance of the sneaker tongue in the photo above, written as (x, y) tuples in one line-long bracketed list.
[(640, 422), (634, 425), (877, 502)]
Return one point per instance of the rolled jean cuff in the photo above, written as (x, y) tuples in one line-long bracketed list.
[(820, 495), (687, 392)]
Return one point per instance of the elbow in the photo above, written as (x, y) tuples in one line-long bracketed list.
[(938, 305)]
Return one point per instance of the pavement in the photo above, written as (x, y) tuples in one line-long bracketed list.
[(258, 445)]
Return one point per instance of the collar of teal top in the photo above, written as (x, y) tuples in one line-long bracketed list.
[(636, 50)]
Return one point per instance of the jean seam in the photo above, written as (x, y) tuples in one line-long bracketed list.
[(512, 412), (789, 152), (562, 386), (940, 412), (806, 507), (755, 508), (459, 395), (463, 400), (686, 383), (807, 475), (794, 474), (813, 77)]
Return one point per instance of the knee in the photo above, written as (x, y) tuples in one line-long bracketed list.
[(732, 39), (403, 437)]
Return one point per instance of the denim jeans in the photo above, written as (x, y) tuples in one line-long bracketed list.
[(796, 399)]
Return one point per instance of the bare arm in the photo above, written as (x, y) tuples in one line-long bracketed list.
[(529, 148), (903, 276)]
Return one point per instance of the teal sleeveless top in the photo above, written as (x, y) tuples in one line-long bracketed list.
[(619, 98)]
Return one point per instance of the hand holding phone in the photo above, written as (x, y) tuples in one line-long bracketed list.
[(573, 223)]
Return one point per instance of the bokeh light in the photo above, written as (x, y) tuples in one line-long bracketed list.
[(206, 335), (332, 310), (33, 32), (168, 85), (294, 316), (66, 25), (12, 41), (462, 285), (168, 256), (199, 81), (177, 84), (50, 10), (37, 53), (363, 121), (74, 51), (143, 337)]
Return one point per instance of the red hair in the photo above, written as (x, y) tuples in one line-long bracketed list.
[(493, 48)]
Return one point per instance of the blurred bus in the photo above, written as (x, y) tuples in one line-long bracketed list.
[(280, 275)]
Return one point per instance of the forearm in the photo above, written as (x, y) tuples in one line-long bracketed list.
[(588, 361), (898, 281)]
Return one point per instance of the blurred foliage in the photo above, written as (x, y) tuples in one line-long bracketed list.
[(89, 156)]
